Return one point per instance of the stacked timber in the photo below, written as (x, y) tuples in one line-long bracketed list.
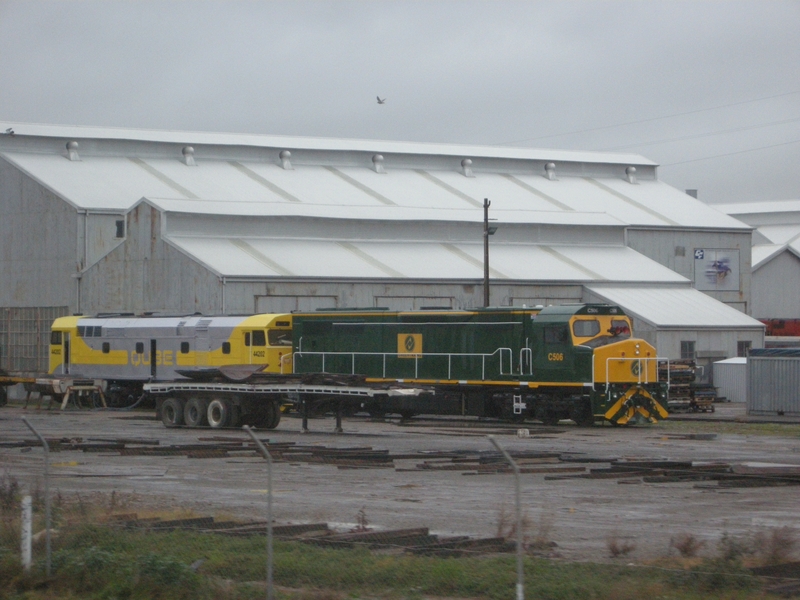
[(681, 375)]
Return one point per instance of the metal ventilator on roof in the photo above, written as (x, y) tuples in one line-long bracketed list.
[(285, 155), (188, 156), (377, 163), (466, 168), (72, 151), (550, 171), (630, 174)]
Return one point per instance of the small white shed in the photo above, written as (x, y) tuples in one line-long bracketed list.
[(730, 379)]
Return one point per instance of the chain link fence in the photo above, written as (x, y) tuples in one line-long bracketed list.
[(202, 514)]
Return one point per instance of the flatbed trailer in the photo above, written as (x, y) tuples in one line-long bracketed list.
[(61, 388), (229, 404)]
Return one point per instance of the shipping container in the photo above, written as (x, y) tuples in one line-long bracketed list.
[(773, 376)]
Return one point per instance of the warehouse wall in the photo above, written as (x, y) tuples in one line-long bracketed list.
[(147, 274), (38, 249), (776, 288), (674, 248)]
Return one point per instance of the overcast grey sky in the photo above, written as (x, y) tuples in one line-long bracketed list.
[(576, 75)]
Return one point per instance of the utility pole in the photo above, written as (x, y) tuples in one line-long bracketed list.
[(487, 231), (486, 205)]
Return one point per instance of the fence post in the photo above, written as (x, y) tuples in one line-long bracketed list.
[(27, 532), (46, 492), (520, 571), (266, 454)]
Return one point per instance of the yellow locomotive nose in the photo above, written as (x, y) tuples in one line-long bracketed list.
[(628, 361)]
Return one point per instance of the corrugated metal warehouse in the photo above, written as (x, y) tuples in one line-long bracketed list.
[(108, 220), (776, 256)]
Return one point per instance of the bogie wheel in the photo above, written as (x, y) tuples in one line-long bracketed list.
[(407, 414), (550, 419), (172, 412), (581, 413), (219, 413), (194, 413)]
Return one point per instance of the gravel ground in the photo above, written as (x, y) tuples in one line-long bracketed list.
[(579, 515)]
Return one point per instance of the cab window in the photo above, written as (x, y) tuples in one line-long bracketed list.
[(556, 335), (259, 338), (586, 328), (55, 338), (280, 337)]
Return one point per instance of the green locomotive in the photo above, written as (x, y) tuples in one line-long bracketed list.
[(574, 362)]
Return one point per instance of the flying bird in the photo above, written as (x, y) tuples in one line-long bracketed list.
[(381, 101)]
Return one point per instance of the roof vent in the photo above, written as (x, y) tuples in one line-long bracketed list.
[(72, 150), (466, 167), (188, 156), (377, 163), (550, 171), (285, 155), (630, 174)]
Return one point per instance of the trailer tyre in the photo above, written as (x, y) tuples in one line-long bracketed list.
[(275, 415), (219, 413), (194, 413), (172, 412)]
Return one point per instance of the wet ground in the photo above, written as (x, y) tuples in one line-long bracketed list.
[(580, 515)]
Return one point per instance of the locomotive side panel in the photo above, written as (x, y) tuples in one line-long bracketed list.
[(440, 346)]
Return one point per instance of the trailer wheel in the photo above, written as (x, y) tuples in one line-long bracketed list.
[(172, 412), (194, 413), (219, 413), (273, 415)]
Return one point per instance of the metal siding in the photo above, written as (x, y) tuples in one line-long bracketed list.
[(773, 386), (730, 379), (37, 243), (146, 274), (660, 246), (782, 273), (25, 337)]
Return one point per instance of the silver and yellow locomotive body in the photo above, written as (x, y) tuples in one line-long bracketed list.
[(128, 350)]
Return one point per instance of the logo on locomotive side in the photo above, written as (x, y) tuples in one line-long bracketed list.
[(636, 368), (409, 345)]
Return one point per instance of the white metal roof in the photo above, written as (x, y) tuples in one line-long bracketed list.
[(753, 208), (236, 187), (343, 259), (736, 360), (315, 143), (782, 237), (676, 307)]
